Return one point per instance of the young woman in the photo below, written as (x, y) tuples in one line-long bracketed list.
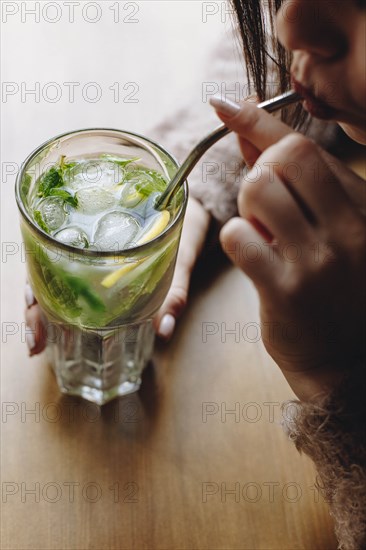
[(295, 192)]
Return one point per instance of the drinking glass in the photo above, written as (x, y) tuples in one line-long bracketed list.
[(99, 338)]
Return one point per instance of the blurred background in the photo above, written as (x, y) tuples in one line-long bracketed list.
[(130, 68)]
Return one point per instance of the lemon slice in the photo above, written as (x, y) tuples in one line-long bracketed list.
[(111, 279), (132, 199), (158, 226)]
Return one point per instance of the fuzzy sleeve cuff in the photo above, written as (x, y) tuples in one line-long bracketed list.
[(331, 431)]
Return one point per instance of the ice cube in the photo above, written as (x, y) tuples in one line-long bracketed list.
[(116, 231), (95, 173), (129, 196), (53, 212), (73, 236), (113, 174), (92, 200)]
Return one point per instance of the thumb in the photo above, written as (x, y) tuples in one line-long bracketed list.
[(248, 250)]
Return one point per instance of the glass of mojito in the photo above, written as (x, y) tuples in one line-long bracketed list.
[(100, 257)]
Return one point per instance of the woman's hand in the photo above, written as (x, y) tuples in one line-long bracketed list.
[(193, 237), (301, 239), (35, 336), (195, 228)]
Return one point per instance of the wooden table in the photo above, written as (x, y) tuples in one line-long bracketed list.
[(196, 460)]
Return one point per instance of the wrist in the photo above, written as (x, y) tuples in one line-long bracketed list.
[(310, 386)]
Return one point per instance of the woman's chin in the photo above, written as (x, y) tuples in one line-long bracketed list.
[(357, 134)]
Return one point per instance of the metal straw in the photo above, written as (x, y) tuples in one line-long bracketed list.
[(271, 105)]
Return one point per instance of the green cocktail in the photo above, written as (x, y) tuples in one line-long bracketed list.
[(100, 257)]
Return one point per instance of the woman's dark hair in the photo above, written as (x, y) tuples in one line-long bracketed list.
[(255, 21)]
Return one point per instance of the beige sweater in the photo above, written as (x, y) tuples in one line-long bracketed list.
[(331, 431)]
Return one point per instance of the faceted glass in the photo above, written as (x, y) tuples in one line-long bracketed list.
[(99, 336)]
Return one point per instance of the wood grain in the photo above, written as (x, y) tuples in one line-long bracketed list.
[(161, 463)]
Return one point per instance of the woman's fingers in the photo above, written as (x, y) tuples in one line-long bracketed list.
[(194, 233), (265, 197), (311, 176), (173, 305), (35, 334), (249, 151), (255, 125), (314, 186), (30, 299), (247, 249)]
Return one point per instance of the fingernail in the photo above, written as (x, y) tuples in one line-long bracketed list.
[(29, 296), (166, 327), (224, 106), (31, 342)]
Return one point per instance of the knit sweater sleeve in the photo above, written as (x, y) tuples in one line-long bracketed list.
[(331, 431)]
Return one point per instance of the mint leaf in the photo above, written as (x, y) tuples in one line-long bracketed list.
[(40, 221), (81, 288), (57, 297), (149, 181), (64, 195), (60, 292), (146, 281), (66, 289), (120, 161), (66, 169), (65, 165), (50, 180), (24, 187), (159, 267), (53, 179), (121, 164)]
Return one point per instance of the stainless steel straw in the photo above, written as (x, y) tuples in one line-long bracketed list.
[(271, 105)]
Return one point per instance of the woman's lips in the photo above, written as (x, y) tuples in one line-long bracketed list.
[(314, 105)]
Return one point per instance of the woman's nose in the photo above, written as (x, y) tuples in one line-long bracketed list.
[(310, 26)]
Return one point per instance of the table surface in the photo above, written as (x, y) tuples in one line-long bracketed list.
[(197, 458)]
